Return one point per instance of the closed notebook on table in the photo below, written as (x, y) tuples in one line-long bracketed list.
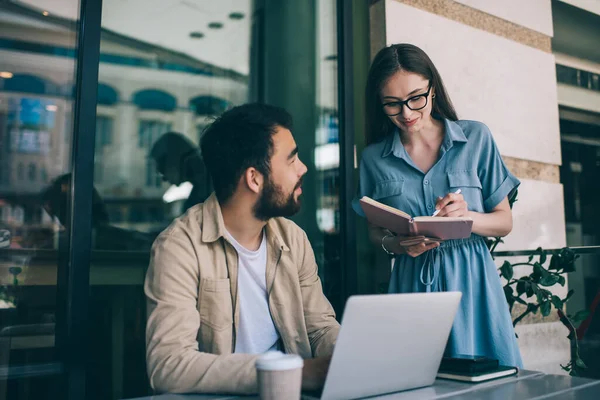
[(468, 363), (403, 224), (479, 376)]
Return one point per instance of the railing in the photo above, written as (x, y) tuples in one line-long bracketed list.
[(576, 250)]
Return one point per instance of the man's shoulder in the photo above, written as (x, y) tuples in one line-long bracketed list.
[(186, 225), (291, 234)]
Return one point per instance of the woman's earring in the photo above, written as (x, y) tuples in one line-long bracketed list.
[(433, 96)]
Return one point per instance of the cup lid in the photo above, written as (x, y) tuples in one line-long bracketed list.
[(278, 361)]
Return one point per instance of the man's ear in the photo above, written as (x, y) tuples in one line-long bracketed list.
[(253, 180)]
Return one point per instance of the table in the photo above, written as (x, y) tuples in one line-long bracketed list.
[(40, 267), (526, 385)]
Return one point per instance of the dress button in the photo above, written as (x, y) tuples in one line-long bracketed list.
[(426, 182), (429, 206)]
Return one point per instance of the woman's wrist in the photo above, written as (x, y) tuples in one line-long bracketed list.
[(385, 243), (390, 245)]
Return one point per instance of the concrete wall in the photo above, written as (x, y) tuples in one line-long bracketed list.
[(532, 14)]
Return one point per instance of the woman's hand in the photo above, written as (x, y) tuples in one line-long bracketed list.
[(452, 205), (414, 246), (497, 222)]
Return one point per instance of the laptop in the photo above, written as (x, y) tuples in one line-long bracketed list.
[(389, 343)]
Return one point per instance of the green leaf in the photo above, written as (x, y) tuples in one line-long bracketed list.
[(580, 316), (520, 301), (567, 259), (511, 303), (558, 303), (533, 307), (538, 272), (549, 280), (512, 197), (579, 362), (545, 307), (542, 255), (506, 271), (540, 296), (543, 270), (522, 286), (562, 281), (569, 267), (569, 294), (530, 292), (554, 263)]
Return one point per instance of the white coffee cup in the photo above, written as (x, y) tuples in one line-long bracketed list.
[(279, 376)]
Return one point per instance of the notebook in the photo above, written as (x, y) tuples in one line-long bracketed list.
[(468, 363), (476, 377), (403, 224)]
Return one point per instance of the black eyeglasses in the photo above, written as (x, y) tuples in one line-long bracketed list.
[(415, 103)]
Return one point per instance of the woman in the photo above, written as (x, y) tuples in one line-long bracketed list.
[(418, 157)]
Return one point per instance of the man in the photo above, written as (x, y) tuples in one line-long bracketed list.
[(178, 160), (232, 278)]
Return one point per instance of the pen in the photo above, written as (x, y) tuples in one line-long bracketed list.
[(437, 211)]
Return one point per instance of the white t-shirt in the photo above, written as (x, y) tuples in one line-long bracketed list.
[(256, 332)]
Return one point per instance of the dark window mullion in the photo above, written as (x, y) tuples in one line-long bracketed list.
[(346, 141), (74, 258)]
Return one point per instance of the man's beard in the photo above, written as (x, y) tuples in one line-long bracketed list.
[(274, 203)]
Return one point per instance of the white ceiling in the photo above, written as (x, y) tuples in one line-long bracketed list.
[(168, 23)]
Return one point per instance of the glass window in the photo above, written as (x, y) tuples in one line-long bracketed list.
[(104, 142), (32, 172), (44, 175), (577, 77), (581, 163), (153, 179), (37, 77), (148, 134), (20, 171), (579, 118), (566, 75), (166, 79), (6, 174), (104, 131), (150, 131), (115, 214)]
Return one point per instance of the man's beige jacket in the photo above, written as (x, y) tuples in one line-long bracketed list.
[(193, 308)]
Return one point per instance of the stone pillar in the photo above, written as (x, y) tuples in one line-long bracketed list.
[(125, 136)]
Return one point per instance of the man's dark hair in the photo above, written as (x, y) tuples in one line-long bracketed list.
[(239, 139)]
